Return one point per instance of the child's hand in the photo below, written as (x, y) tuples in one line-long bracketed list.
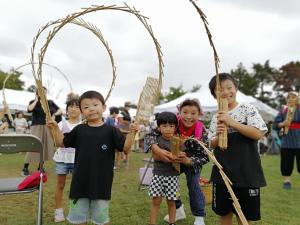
[(52, 123), (134, 127), (182, 158), (223, 117)]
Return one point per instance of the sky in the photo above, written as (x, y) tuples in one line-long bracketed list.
[(243, 31)]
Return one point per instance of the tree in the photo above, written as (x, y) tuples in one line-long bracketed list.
[(246, 83), (287, 79), (195, 88), (264, 75), (13, 82), (174, 92)]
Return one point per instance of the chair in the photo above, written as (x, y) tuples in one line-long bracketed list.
[(15, 143)]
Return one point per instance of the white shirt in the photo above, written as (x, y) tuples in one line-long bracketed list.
[(65, 155)]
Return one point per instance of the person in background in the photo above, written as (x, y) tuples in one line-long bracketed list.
[(290, 142), (124, 122), (64, 157), (112, 119), (38, 128), (4, 126), (20, 123)]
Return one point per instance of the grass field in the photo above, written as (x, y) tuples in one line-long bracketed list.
[(131, 207)]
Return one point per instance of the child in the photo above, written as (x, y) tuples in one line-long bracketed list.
[(189, 126), (64, 157), (165, 177), (240, 161), (95, 144)]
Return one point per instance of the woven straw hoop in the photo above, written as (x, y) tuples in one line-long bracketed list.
[(68, 19)]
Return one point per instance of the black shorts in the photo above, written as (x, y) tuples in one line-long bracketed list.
[(249, 200)]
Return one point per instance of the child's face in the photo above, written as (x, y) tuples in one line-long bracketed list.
[(228, 91), (92, 109), (189, 115), (167, 130), (73, 111)]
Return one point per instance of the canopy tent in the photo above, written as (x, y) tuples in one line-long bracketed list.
[(19, 100), (209, 104)]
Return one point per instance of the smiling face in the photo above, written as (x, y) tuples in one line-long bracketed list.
[(92, 109), (228, 91), (189, 115)]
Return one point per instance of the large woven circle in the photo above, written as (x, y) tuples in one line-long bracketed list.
[(71, 17)]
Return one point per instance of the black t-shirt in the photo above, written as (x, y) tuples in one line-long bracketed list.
[(94, 160), (38, 115), (241, 162)]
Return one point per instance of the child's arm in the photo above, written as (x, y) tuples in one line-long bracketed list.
[(246, 130), (133, 128), (160, 154), (57, 135)]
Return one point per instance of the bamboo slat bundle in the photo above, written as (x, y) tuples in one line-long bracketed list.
[(176, 148), (292, 104)]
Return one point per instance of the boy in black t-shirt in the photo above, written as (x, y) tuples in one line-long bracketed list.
[(240, 161), (95, 143)]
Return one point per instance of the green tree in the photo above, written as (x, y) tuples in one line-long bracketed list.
[(264, 74), (287, 79), (173, 93), (195, 88), (13, 82), (246, 82)]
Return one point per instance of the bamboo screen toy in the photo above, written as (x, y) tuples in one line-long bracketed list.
[(148, 98), (222, 106), (68, 19), (292, 104), (222, 102)]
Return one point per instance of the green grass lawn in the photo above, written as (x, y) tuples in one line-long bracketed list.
[(131, 207)]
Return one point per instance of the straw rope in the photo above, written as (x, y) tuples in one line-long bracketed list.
[(227, 182), (292, 105), (62, 22), (222, 102)]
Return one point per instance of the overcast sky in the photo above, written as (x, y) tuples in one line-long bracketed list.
[(243, 31)]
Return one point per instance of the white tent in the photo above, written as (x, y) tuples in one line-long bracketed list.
[(209, 104), (19, 100)]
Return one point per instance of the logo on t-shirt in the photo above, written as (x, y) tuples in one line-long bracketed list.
[(104, 147), (253, 192)]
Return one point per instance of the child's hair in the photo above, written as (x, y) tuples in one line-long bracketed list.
[(113, 110), (71, 102), (222, 76), (126, 117), (191, 102), (90, 95), (166, 118), (19, 112)]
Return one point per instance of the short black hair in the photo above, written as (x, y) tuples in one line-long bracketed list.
[(71, 102), (166, 118), (113, 110), (126, 117), (222, 76), (90, 95)]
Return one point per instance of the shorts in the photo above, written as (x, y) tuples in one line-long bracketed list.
[(164, 186), (249, 200), (64, 168), (83, 210)]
